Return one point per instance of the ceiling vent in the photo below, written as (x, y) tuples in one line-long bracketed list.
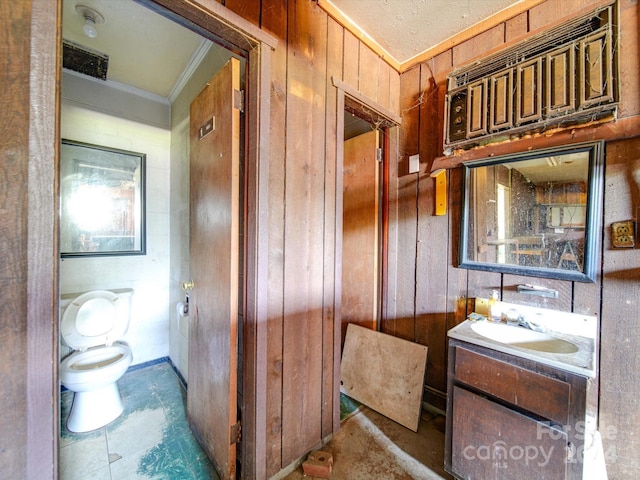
[(564, 76), (82, 60)]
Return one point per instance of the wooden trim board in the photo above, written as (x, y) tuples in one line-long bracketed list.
[(385, 373)]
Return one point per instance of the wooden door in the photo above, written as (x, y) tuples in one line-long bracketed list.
[(214, 263), (360, 230)]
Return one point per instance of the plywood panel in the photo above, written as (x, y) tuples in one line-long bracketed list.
[(385, 373)]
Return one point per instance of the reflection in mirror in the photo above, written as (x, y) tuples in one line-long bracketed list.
[(534, 214), (101, 200)]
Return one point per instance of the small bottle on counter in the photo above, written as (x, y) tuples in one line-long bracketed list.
[(495, 310)]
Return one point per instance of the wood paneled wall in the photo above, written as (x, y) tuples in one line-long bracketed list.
[(432, 295), (28, 217), (303, 215), (425, 293)]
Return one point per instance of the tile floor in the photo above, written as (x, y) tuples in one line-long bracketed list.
[(150, 440)]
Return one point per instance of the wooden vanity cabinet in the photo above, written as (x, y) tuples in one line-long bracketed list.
[(512, 418)]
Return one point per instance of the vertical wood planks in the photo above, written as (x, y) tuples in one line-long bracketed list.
[(351, 59), (620, 326), (478, 46), (274, 20), (304, 231), (28, 212), (303, 347), (630, 48), (368, 73), (383, 93), (403, 190), (247, 9), (516, 27), (333, 214), (431, 260)]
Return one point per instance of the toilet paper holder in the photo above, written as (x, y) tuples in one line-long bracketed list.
[(182, 308)]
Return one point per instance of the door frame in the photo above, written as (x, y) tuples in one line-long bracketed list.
[(212, 20), (350, 99)]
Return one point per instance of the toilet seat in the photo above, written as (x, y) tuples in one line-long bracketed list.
[(92, 319), (95, 366)]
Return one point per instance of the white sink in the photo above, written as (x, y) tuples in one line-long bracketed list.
[(523, 338)]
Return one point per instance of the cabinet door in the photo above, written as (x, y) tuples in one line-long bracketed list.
[(492, 441)]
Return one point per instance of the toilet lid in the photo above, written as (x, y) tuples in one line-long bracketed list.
[(93, 319)]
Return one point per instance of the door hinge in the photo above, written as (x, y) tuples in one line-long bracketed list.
[(238, 100), (235, 433), (379, 155)]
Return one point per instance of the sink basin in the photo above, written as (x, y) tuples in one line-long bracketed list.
[(523, 338)]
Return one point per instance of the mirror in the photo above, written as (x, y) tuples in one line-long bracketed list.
[(101, 201), (536, 213)]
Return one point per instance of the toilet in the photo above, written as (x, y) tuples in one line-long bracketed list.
[(91, 325)]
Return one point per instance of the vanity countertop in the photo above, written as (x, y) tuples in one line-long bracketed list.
[(577, 329)]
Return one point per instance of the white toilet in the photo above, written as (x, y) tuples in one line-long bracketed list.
[(91, 324)]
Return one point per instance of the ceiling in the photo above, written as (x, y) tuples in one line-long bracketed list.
[(146, 51), (154, 54), (406, 28)]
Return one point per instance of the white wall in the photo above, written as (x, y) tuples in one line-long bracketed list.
[(108, 115), (148, 274)]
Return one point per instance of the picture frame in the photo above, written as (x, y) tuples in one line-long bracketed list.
[(102, 201)]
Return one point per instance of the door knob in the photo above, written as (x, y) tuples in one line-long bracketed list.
[(186, 286)]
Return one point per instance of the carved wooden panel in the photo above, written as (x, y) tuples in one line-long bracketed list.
[(560, 81), (567, 72), (529, 91), (500, 113), (595, 75), (477, 108)]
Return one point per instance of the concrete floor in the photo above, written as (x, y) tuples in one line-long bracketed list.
[(370, 445)]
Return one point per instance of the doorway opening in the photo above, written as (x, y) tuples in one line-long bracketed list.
[(364, 135), (362, 196), (250, 216)]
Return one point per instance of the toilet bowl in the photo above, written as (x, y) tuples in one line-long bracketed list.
[(92, 323)]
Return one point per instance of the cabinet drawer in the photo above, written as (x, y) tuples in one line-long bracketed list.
[(492, 441), (542, 395)]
